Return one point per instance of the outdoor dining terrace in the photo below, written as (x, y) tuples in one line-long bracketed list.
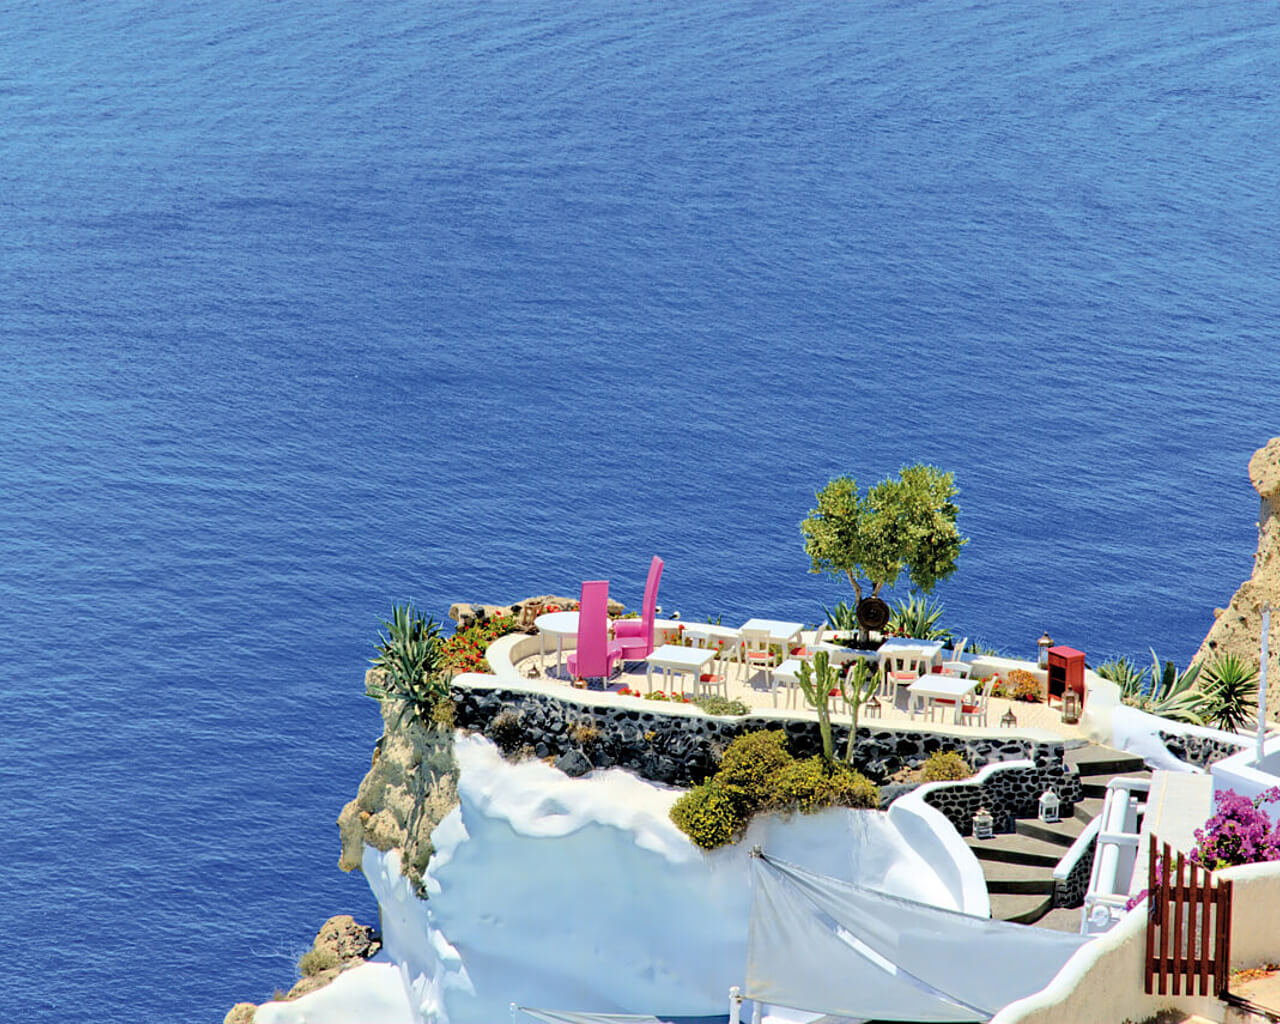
[(920, 682)]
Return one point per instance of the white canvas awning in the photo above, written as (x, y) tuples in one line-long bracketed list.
[(827, 946)]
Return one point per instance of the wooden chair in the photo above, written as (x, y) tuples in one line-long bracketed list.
[(758, 651), (901, 667)]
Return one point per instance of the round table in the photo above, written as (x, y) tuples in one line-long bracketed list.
[(559, 625)]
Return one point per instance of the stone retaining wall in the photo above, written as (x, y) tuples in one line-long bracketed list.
[(682, 750), (1070, 891), (1199, 750), (1009, 793)]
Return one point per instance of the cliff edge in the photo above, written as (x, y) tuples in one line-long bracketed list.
[(1238, 627), (410, 786)]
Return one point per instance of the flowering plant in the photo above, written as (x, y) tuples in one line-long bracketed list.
[(1239, 833)]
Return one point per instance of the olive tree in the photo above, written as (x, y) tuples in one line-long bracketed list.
[(903, 524)]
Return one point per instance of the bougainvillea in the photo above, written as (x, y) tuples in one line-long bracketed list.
[(1240, 832)]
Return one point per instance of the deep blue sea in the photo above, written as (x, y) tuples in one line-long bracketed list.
[(309, 308)]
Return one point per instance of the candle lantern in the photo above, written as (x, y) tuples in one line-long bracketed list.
[(1008, 720), (1070, 707), (983, 824), (1049, 805), (1044, 643)]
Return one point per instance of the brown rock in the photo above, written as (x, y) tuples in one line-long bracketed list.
[(241, 1013), (1238, 628), (347, 940)]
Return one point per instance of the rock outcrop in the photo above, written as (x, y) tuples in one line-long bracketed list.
[(410, 787), (340, 945), (525, 611), (1238, 629)]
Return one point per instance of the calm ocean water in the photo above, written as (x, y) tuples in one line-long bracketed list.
[(311, 308)]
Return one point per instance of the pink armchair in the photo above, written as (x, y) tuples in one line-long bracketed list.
[(596, 653), (636, 635)]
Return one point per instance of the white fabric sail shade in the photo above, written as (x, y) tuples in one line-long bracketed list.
[(819, 944)]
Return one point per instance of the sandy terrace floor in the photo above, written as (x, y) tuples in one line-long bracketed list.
[(752, 689)]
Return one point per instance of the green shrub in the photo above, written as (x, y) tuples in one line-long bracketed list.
[(715, 705), (945, 766), (709, 816), (815, 783), (749, 765), (313, 961), (442, 711)]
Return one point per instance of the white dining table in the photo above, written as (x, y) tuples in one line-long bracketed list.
[(559, 625), (675, 658), (779, 632), (933, 648), (935, 686)]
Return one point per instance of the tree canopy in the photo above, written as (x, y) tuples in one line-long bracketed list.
[(904, 523)]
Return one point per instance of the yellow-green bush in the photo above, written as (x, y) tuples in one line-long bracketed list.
[(709, 816), (945, 766), (815, 783), (749, 764), (313, 961), (758, 773)]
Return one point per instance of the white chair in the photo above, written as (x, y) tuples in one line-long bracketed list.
[(758, 651), (958, 666), (976, 713), (902, 666)]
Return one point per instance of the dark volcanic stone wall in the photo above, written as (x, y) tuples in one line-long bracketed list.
[(1069, 892), (682, 750), (1200, 750), (1009, 793)]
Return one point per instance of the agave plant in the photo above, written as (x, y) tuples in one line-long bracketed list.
[(918, 618), (1170, 694), (843, 618), (409, 655), (1230, 692), (1132, 680)]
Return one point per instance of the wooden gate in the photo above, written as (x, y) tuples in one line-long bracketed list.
[(1188, 926)]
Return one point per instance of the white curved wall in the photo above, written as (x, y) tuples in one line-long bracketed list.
[(581, 894)]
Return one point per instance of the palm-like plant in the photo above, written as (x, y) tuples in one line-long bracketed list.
[(409, 655), (1171, 695), (1230, 692), (918, 618)]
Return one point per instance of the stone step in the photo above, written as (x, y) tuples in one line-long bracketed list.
[(1012, 848), (1062, 833), (1020, 908), (1087, 809), (1014, 878), (1094, 760)]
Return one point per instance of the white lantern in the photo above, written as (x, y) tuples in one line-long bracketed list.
[(983, 824), (1049, 805)]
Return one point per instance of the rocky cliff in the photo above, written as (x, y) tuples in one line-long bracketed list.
[(410, 787), (1238, 627)]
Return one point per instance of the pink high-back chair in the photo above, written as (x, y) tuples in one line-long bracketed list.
[(596, 653), (636, 635)]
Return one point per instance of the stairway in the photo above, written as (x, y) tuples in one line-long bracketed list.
[(1019, 866)]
